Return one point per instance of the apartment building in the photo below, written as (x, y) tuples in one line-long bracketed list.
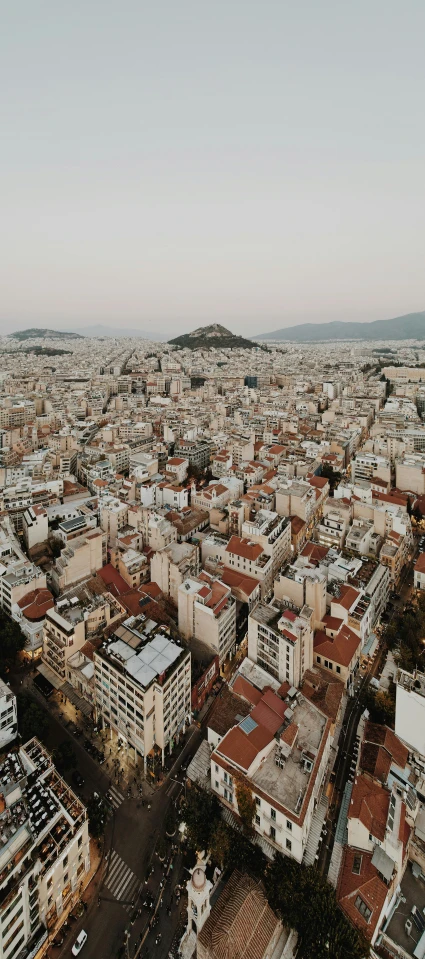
[(79, 560), (249, 557), (35, 526), (143, 687), (366, 466), (410, 473), (410, 711), (207, 611), (281, 749), (8, 715), (303, 586), (172, 565), (273, 533), (45, 852), (280, 640)]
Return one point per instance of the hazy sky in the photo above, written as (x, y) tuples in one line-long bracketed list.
[(169, 163)]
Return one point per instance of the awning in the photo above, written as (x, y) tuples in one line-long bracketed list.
[(383, 863), (82, 704), (370, 645), (50, 675)]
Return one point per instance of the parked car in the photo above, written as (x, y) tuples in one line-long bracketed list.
[(79, 943)]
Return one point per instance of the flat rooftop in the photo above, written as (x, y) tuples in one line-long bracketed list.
[(289, 785), (413, 894)]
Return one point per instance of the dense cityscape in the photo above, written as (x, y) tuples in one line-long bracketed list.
[(212, 607)]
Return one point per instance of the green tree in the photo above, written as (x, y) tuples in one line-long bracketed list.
[(245, 801), (32, 719), (201, 815), (231, 849), (12, 642), (97, 813), (306, 902), (64, 757)]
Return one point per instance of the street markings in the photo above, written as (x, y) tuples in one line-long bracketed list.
[(116, 797), (121, 881)]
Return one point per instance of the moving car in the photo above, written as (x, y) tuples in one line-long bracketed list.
[(79, 943)]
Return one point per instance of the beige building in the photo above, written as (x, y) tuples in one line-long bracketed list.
[(207, 611), (35, 526), (113, 517), (273, 533), (410, 473), (249, 557), (280, 640), (79, 561), (172, 565), (303, 586)]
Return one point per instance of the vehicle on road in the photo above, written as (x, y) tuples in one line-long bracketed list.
[(79, 943), (77, 779)]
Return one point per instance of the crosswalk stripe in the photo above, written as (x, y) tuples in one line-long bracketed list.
[(115, 792), (116, 869), (124, 882)]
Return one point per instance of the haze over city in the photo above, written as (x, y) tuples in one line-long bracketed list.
[(169, 165)]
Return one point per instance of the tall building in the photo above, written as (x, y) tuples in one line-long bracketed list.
[(45, 851), (143, 686)]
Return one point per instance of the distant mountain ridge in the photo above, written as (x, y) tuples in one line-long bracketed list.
[(215, 336), (411, 326), (42, 334)]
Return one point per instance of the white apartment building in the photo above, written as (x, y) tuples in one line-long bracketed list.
[(282, 750), (143, 686), (273, 533), (367, 465), (280, 640), (410, 711), (8, 715), (207, 611), (45, 851), (35, 526), (79, 560), (410, 473)]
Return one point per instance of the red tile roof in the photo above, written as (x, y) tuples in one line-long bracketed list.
[(367, 884)]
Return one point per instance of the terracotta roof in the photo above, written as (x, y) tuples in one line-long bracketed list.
[(297, 524), (226, 710), (247, 690), (381, 747), (244, 548), (241, 924), (347, 597), (332, 622), (319, 482), (237, 580), (242, 748), (340, 649), (324, 690), (370, 803), (314, 552), (420, 563), (35, 604), (113, 580), (367, 884)]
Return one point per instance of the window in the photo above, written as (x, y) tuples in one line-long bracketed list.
[(289, 825), (272, 833), (338, 669), (65, 861), (258, 801), (216, 768), (363, 908), (257, 820), (272, 813), (288, 845), (357, 865), (318, 659), (217, 784), (80, 841)]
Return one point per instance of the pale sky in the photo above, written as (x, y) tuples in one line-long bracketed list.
[(171, 163)]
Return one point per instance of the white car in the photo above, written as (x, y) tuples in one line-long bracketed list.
[(79, 943)]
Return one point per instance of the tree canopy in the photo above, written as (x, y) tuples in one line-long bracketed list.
[(32, 719), (306, 901), (12, 642)]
